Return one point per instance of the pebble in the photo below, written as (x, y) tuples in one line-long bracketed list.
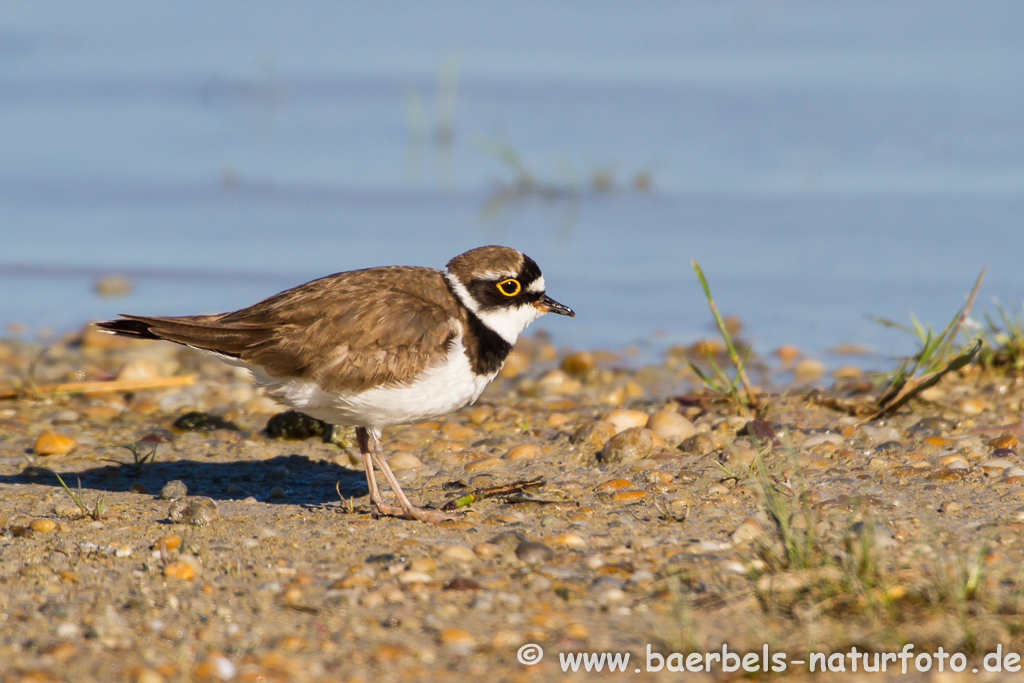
[(179, 570), (404, 461), (523, 451), (173, 490), (953, 461), (196, 421), (973, 406), (816, 439), (786, 354), (880, 434), (42, 526), (698, 444), (623, 419), (670, 426), (296, 426), (458, 553), (532, 552), (578, 363), (1003, 441), (458, 640), (613, 485), (592, 436), (628, 446), (54, 443), (747, 531), (569, 540), (808, 370), (628, 497), (196, 511), (484, 464), (557, 382), (995, 465)]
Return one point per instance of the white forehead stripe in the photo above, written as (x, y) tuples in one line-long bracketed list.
[(493, 275), (537, 286)]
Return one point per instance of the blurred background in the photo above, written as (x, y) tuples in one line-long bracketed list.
[(821, 161)]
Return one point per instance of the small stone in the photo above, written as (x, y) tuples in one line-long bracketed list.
[(486, 551), (52, 443), (591, 437), (570, 540), (613, 485), (196, 510), (415, 577), (459, 554), (173, 490), (670, 426), (295, 425), (623, 418), (628, 497), (457, 640), (949, 506), (532, 552), (557, 382), (480, 414), (746, 532), (628, 446), (1004, 441), (578, 363), (484, 464), (523, 451), (698, 444), (42, 526), (953, 461), (196, 421), (404, 461), (787, 353), (276, 493), (995, 466), (808, 370), (180, 570), (170, 542), (973, 406)]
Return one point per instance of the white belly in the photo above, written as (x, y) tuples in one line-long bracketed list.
[(436, 392)]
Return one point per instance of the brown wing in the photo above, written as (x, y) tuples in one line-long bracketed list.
[(351, 330)]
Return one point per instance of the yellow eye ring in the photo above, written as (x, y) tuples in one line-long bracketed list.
[(509, 287)]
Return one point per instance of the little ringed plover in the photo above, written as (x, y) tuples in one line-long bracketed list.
[(376, 347)]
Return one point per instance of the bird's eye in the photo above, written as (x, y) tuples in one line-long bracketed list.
[(509, 287)]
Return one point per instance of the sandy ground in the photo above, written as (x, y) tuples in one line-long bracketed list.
[(666, 523)]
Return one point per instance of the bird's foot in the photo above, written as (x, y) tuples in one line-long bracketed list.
[(419, 514)]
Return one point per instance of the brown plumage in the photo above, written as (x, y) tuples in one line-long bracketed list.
[(348, 331)]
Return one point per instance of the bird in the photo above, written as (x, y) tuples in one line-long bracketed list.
[(375, 347)]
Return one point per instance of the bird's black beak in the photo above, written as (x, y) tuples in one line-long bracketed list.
[(549, 305)]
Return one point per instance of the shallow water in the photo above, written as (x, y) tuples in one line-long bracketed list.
[(821, 162)]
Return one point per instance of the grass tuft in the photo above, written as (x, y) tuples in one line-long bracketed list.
[(97, 511), (736, 389)]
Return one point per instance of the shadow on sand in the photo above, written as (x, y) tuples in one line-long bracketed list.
[(304, 481)]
